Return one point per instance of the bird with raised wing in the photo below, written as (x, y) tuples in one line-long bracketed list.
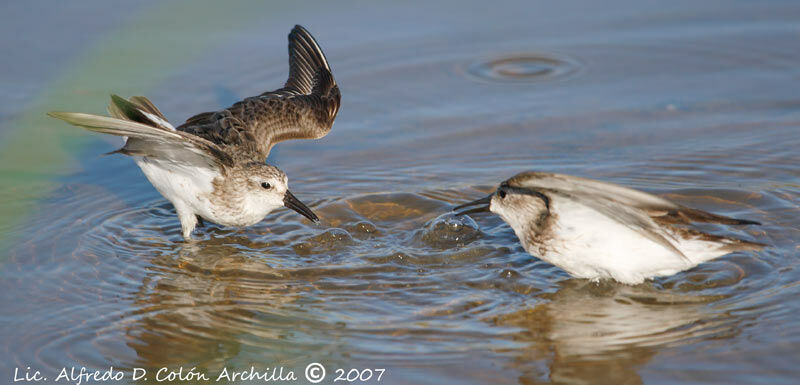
[(595, 230), (213, 166)]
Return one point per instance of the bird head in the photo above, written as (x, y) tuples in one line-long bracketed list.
[(268, 189), (517, 205)]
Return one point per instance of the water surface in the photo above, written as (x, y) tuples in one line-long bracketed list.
[(696, 102)]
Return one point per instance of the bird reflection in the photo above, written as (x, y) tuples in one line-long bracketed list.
[(205, 304), (604, 332)]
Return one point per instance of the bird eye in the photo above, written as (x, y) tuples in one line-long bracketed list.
[(266, 185), (502, 194)]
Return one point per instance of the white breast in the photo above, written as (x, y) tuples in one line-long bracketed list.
[(190, 191), (184, 186)]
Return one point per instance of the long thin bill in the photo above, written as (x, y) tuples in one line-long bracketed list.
[(483, 202), (290, 201)]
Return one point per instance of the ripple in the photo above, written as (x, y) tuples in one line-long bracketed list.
[(524, 68), (105, 278), (387, 265), (328, 241)]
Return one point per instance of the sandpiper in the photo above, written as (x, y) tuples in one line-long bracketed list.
[(597, 230), (213, 166)]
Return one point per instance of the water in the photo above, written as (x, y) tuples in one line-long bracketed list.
[(696, 102)]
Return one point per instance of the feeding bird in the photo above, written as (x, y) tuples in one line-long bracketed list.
[(595, 230), (213, 166)]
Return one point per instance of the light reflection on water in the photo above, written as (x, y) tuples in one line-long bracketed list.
[(389, 278)]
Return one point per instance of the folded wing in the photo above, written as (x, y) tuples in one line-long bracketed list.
[(597, 191), (638, 209)]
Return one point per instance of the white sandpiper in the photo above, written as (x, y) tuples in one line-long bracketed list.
[(213, 166), (596, 230)]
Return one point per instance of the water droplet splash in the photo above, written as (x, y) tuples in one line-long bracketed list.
[(449, 230)]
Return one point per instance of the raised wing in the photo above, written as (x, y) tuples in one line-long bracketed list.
[(305, 60), (304, 108)]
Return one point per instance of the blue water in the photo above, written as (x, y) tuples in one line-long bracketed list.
[(696, 102)]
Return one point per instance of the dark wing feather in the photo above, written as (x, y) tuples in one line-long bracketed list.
[(686, 215), (146, 105), (305, 61), (138, 109), (304, 109)]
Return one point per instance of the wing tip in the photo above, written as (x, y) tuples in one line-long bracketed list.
[(704, 216), (746, 222), (298, 29), (118, 99), (735, 244), (306, 61), (69, 117)]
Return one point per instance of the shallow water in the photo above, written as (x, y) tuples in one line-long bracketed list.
[(696, 102)]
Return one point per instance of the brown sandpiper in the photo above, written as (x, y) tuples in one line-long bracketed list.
[(596, 230), (213, 166)]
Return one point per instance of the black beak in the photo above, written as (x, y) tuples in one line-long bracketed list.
[(290, 201), (484, 202)]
